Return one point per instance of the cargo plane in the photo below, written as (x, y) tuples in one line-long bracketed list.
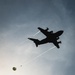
[(50, 37)]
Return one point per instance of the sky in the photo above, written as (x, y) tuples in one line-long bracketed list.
[(19, 20)]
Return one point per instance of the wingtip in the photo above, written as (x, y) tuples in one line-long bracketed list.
[(38, 27), (30, 38)]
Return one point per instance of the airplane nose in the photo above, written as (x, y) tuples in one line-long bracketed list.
[(61, 31)]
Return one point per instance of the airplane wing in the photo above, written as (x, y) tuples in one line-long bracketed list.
[(56, 44), (45, 31)]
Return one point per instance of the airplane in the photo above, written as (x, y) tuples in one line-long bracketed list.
[(50, 37)]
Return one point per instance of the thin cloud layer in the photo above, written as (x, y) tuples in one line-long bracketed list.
[(19, 20)]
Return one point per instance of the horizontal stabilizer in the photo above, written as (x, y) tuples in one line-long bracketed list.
[(36, 41)]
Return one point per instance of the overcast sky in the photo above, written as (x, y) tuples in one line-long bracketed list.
[(19, 20)]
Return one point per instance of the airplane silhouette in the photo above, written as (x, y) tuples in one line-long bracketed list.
[(50, 37)]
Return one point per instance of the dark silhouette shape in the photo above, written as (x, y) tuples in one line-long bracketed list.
[(14, 68), (50, 37)]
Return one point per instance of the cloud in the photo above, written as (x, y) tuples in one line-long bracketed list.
[(19, 20)]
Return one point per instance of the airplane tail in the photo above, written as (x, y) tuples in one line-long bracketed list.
[(36, 41)]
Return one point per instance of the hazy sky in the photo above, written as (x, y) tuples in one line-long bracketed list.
[(19, 20)]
